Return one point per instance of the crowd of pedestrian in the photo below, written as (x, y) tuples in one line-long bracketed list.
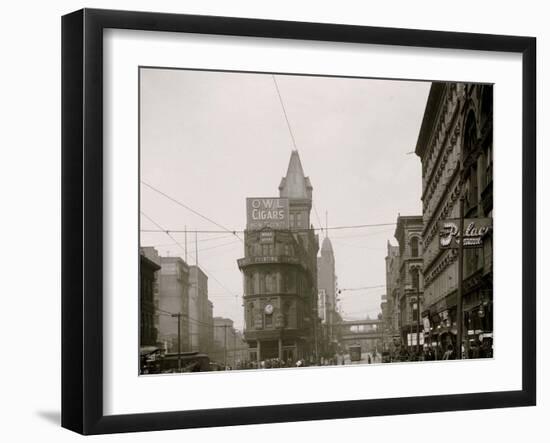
[(476, 349), (271, 363)]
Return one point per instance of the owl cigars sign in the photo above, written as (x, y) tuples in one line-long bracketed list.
[(267, 212), (475, 231)]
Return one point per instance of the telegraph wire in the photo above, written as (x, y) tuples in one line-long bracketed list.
[(161, 245), (361, 288), (284, 112), (318, 218), (241, 231), (208, 274), (191, 209), (171, 314), (232, 242)]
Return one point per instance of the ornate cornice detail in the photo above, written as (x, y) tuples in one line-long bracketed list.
[(443, 264), (433, 182), (431, 228)]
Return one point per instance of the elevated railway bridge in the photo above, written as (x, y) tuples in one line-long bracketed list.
[(368, 333)]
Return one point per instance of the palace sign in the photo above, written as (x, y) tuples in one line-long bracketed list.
[(267, 212), (475, 230)]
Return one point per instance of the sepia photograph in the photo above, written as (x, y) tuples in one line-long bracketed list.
[(291, 221)]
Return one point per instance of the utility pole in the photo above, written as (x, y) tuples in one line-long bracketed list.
[(234, 348), (196, 250), (186, 244), (459, 313), (417, 322), (225, 346), (178, 315)]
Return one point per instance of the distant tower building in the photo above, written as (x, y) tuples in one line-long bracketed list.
[(326, 282), (174, 299), (280, 271)]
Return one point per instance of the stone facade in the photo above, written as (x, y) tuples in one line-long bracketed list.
[(392, 288), (409, 302), (455, 147)]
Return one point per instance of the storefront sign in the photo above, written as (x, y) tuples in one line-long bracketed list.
[(267, 237), (270, 259), (267, 212), (475, 230), (411, 339)]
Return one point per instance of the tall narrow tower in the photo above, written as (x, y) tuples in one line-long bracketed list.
[(280, 271), (297, 188), (326, 281)]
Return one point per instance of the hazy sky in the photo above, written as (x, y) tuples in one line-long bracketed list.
[(211, 139)]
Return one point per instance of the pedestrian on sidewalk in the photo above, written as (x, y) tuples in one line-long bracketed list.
[(449, 353)]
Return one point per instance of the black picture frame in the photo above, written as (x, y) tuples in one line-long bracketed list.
[(82, 219)]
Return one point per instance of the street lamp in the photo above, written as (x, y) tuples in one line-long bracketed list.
[(418, 304)]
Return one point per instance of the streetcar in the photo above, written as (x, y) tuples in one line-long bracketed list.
[(355, 352), (188, 361)]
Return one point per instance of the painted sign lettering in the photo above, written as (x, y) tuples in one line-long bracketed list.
[(475, 231), (267, 212)]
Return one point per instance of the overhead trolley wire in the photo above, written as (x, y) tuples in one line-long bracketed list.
[(284, 112), (183, 205), (318, 218), (208, 274), (361, 288), (241, 231)]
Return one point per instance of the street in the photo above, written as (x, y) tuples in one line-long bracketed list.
[(364, 359)]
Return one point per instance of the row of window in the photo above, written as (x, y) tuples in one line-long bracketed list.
[(414, 245), (415, 278), (257, 318), (297, 220), (265, 282), (146, 289), (257, 249)]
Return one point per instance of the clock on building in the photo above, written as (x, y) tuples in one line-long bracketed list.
[(268, 309)]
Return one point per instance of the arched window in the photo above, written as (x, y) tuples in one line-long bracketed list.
[(414, 247), (270, 282), (415, 276), (250, 284), (470, 135), (470, 172), (257, 282), (286, 310), (250, 316)]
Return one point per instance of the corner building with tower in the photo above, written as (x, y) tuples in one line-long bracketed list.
[(280, 272)]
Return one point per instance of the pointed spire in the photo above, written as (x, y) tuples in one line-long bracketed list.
[(326, 246), (295, 184)]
